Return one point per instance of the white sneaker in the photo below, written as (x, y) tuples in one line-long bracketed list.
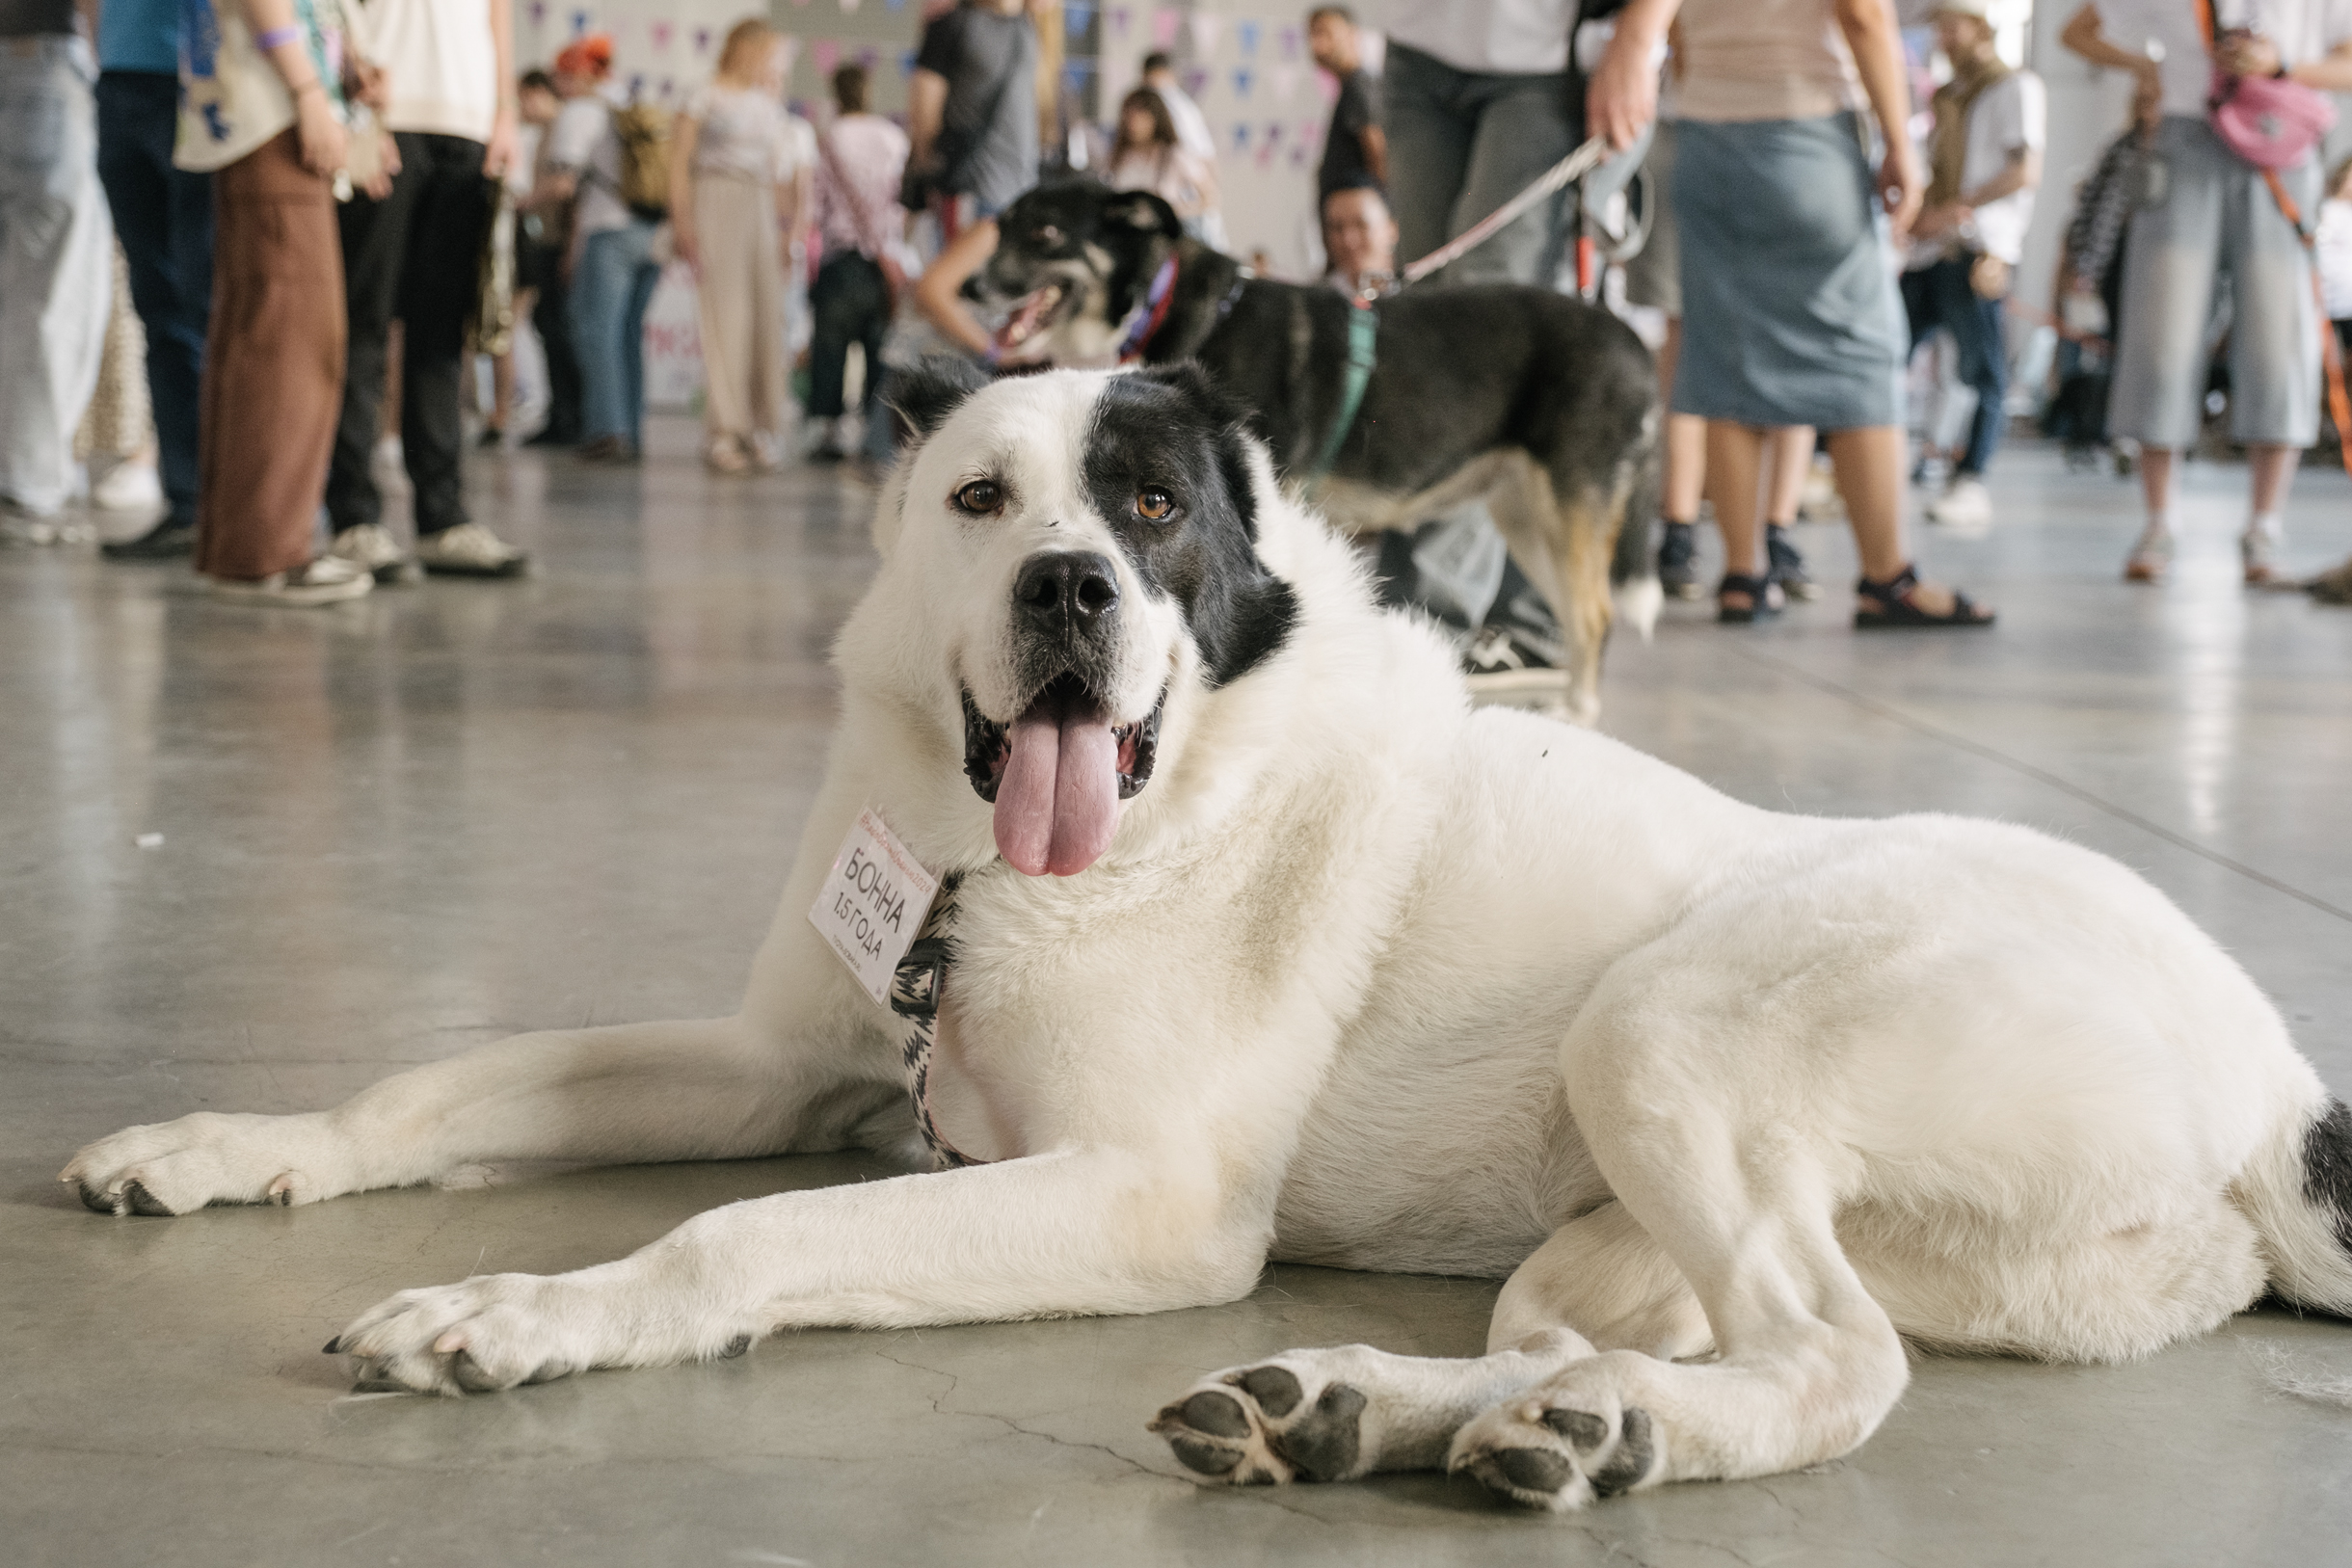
[(128, 486), (470, 551), (1964, 508), (327, 581), (21, 527), (371, 547)]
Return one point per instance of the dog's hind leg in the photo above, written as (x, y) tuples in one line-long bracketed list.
[(1678, 1105), (1599, 1284), (1564, 540)]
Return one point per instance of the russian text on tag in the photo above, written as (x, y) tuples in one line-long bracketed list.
[(872, 903)]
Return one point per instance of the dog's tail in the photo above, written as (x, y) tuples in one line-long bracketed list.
[(1633, 570), (2298, 1193)]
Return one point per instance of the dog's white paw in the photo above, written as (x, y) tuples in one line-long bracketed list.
[(1568, 1444), (177, 1167), (1294, 1418), (495, 1331)]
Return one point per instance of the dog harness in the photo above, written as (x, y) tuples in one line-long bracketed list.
[(915, 991), (1363, 339)]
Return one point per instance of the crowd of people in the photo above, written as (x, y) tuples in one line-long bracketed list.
[(328, 208)]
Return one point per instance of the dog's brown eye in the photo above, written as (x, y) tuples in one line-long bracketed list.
[(981, 495), (1154, 503)]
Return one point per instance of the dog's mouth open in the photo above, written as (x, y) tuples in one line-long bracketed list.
[(1036, 310), (1057, 773)]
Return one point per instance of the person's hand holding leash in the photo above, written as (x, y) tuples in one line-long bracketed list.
[(1622, 97)]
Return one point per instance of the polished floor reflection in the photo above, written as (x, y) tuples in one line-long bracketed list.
[(402, 827)]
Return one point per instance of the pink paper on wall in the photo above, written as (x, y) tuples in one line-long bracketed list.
[(1284, 81), (1327, 86), (1205, 28), (1164, 23), (824, 54), (661, 35)]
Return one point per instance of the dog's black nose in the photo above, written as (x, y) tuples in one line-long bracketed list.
[(1066, 592)]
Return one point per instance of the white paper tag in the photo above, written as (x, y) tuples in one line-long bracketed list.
[(873, 904)]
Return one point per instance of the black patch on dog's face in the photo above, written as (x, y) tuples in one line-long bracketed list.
[(1167, 431), (925, 394)]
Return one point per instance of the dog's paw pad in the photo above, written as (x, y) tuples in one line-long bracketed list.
[(1557, 1457), (1268, 1423)]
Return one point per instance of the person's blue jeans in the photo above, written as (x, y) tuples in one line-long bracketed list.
[(610, 290), (164, 218), (1940, 296)]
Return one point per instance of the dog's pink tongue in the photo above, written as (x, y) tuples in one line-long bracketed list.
[(1057, 803)]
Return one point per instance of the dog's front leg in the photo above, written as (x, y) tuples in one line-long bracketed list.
[(1080, 1230)]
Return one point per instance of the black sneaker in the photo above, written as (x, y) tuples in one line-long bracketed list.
[(165, 542), (1786, 567), (1678, 561)]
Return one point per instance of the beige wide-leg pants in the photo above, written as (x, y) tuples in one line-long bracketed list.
[(741, 291)]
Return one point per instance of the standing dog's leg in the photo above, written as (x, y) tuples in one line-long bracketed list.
[(1564, 541)]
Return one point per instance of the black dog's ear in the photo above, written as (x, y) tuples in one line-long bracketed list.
[(923, 395), (1144, 213)]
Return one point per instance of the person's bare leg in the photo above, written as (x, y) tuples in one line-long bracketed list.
[(1869, 464), (2270, 472), (2153, 554), (1735, 457), (1792, 460), (1686, 437)]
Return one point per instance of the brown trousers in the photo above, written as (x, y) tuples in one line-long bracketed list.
[(273, 366), (741, 292)]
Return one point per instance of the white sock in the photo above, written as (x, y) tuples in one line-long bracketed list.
[(2267, 526), (2159, 528)]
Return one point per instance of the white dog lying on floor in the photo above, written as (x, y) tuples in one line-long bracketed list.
[(1330, 968)]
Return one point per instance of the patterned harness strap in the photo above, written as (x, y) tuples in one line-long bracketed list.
[(916, 989)]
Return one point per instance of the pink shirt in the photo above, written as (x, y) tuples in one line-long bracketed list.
[(870, 153)]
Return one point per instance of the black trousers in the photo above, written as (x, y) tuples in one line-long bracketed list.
[(415, 255), (850, 301), (539, 265), (164, 218)]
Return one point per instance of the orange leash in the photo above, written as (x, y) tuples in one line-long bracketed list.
[(2331, 353)]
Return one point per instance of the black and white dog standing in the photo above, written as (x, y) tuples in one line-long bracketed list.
[(1267, 945), (1542, 405)]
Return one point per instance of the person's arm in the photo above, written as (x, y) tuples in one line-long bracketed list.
[(1622, 97), (317, 132), (2254, 55), (684, 242), (939, 291), (1876, 42), (2086, 36), (927, 108), (1374, 142), (2022, 172), (498, 153)]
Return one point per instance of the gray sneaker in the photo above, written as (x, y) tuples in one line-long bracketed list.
[(371, 547), (1508, 660), (470, 551)]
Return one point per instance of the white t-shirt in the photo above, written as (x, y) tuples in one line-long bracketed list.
[(1192, 125), (2303, 30), (581, 143), (1501, 38), (2009, 116), (441, 61), (742, 132), (2334, 238)]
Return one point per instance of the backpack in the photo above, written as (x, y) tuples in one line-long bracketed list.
[(644, 133)]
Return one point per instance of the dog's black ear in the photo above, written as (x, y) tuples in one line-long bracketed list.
[(1144, 213), (923, 395)]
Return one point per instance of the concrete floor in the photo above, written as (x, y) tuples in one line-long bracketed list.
[(400, 828)]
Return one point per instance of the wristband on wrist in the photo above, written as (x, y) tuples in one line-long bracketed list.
[(278, 38)]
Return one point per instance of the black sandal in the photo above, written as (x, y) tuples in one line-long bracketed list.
[(1763, 598), (1888, 604)]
